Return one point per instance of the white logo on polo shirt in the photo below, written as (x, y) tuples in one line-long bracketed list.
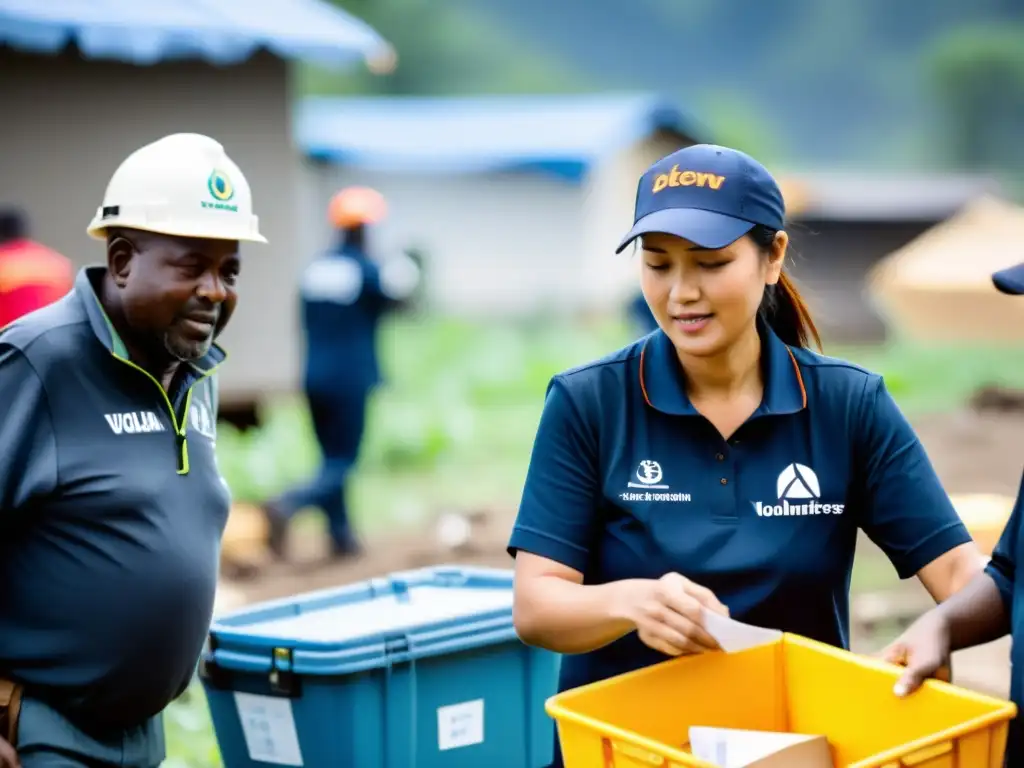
[(202, 421), (649, 476), (799, 494), (134, 423)]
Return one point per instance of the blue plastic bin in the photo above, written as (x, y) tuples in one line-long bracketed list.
[(419, 669)]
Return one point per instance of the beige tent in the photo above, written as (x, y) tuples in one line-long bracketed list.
[(939, 286)]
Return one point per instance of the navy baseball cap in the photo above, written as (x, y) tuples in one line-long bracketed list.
[(707, 194), (1010, 280)]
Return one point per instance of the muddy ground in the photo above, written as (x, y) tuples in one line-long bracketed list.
[(972, 452)]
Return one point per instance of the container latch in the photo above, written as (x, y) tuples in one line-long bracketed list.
[(282, 677)]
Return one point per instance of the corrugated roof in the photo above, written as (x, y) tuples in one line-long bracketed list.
[(561, 134), (220, 31)]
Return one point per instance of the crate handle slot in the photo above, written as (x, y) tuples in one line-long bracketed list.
[(926, 754), (644, 756)]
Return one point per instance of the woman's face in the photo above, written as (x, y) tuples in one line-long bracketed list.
[(706, 300)]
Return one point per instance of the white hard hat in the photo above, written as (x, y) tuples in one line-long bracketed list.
[(183, 184)]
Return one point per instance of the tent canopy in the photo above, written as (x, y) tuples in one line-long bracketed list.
[(939, 286), (960, 253)]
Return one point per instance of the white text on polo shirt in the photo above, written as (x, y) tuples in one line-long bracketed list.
[(134, 423), (649, 476), (787, 509), (202, 421), (628, 496), (799, 483)]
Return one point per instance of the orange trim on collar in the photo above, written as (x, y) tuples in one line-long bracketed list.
[(799, 376), (643, 387)]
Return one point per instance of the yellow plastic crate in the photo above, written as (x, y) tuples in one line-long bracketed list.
[(642, 719)]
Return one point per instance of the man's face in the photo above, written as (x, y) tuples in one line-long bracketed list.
[(177, 291)]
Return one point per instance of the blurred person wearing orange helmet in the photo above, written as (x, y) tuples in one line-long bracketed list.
[(344, 293), (32, 276)]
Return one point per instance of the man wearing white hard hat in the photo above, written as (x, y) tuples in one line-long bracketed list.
[(111, 504)]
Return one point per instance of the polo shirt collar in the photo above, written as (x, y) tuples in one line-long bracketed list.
[(663, 382), (87, 284)]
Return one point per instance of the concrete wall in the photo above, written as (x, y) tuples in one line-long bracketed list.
[(66, 123)]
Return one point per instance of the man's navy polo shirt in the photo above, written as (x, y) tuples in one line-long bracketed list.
[(628, 480), (111, 512), (1009, 577)]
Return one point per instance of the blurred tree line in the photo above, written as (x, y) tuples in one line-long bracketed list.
[(813, 82)]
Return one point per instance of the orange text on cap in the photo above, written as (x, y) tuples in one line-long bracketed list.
[(677, 178)]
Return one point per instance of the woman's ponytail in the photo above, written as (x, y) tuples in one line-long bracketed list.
[(783, 308)]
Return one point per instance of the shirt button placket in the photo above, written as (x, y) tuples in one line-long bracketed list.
[(726, 506)]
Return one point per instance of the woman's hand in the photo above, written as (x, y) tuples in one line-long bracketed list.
[(668, 614)]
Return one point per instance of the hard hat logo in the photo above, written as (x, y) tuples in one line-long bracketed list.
[(220, 186)]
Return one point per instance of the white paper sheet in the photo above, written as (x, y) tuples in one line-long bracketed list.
[(733, 748), (269, 728), (734, 635), (460, 725)]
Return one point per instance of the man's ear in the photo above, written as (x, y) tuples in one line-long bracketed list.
[(120, 251)]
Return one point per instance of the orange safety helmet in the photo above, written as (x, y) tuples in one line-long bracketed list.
[(355, 206)]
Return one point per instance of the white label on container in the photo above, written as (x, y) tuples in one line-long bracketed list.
[(269, 728), (460, 725)]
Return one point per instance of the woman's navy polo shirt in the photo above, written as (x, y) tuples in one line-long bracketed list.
[(628, 480)]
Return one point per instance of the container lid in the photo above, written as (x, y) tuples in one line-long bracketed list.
[(400, 617)]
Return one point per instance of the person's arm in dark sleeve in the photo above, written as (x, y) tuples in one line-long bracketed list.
[(1002, 569), (554, 533), (907, 512), (558, 512), (979, 613), (983, 610), (28, 448)]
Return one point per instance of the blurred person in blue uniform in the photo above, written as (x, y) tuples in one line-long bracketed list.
[(345, 293), (988, 608)]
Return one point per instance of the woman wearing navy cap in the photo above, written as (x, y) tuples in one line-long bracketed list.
[(717, 463)]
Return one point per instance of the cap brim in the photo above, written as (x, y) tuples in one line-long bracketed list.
[(704, 228), (1010, 280)]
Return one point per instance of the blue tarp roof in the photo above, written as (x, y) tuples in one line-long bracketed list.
[(559, 134), (220, 31)]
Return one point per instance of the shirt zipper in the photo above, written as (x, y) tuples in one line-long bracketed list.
[(181, 441)]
